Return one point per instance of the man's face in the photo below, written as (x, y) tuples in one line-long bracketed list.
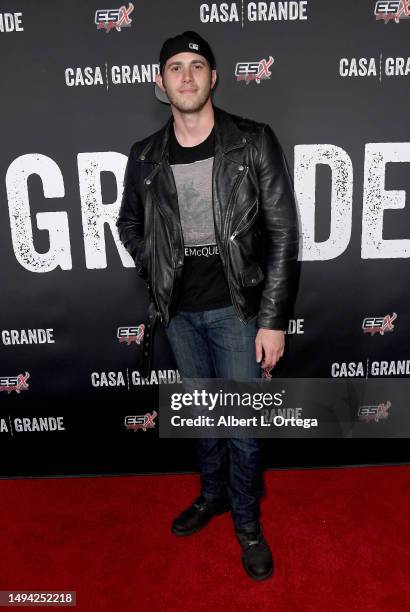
[(187, 79)]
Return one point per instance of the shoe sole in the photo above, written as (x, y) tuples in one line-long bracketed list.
[(195, 529), (265, 577)]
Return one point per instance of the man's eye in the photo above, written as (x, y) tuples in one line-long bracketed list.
[(175, 68)]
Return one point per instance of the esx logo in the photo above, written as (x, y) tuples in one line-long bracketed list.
[(389, 10), (254, 71), (378, 325), (140, 421), (374, 412), (108, 19)]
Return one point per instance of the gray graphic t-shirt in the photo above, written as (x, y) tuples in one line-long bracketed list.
[(203, 284), (194, 183)]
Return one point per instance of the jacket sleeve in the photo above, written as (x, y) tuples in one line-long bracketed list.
[(278, 210), (130, 220)]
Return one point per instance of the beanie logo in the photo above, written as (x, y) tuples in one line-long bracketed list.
[(193, 46)]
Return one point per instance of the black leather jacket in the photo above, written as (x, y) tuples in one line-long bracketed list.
[(255, 219)]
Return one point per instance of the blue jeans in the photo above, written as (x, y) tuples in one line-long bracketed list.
[(215, 344)]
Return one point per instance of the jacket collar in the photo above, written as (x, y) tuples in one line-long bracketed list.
[(227, 137)]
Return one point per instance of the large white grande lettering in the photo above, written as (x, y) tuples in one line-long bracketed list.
[(94, 212), (56, 223), (306, 159), (376, 200)]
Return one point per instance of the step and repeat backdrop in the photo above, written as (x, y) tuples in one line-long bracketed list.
[(77, 90)]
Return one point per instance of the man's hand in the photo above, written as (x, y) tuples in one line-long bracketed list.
[(272, 342)]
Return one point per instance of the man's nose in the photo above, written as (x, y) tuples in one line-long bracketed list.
[(187, 76)]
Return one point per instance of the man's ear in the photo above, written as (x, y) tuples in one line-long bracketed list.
[(158, 80), (214, 78)]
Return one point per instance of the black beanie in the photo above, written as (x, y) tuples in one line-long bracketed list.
[(186, 42)]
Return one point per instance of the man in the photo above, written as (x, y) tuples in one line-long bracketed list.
[(208, 215)]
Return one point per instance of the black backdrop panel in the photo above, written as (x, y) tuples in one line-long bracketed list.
[(333, 84)]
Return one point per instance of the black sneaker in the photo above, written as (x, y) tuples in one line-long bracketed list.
[(257, 557), (198, 515)]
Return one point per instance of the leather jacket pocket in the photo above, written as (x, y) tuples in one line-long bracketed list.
[(246, 220), (141, 267), (252, 276)]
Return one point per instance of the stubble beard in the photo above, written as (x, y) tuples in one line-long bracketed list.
[(189, 106)]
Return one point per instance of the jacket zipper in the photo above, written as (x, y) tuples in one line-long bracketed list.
[(232, 201), (148, 178), (227, 241), (153, 261), (169, 170), (173, 270), (236, 232), (233, 299), (147, 181)]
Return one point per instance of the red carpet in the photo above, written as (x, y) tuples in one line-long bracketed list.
[(340, 539)]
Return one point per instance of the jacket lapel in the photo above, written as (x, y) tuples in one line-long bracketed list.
[(161, 180), (228, 168)]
